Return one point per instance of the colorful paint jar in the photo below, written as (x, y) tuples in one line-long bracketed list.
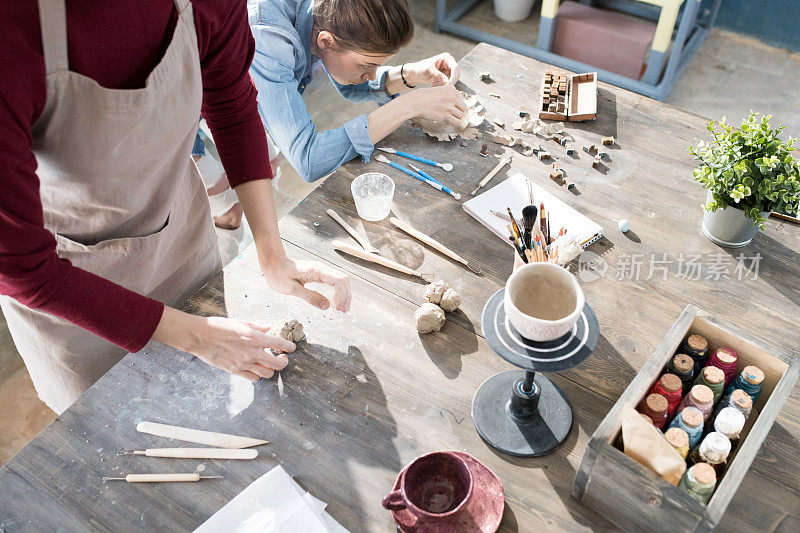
[(700, 397), (714, 450), (690, 420), (749, 380), (682, 366), (724, 359), (670, 387), (699, 482), (696, 346), (713, 378), (679, 440), (655, 408)]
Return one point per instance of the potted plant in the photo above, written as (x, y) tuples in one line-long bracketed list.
[(747, 172)]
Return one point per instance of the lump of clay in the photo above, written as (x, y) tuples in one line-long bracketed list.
[(443, 295), (429, 317), (291, 330), (468, 129)]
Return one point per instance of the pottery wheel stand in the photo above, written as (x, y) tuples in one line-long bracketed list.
[(522, 413)]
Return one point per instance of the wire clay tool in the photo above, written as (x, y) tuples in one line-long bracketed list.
[(195, 453), (160, 478), (436, 184), (490, 175), (447, 167), (433, 243)]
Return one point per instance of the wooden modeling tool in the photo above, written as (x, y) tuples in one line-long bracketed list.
[(435, 184), (160, 478), (447, 167), (361, 239), (372, 258), (195, 453), (208, 438), (433, 243), (490, 175)]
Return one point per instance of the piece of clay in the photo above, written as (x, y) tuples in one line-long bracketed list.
[(506, 140), (499, 122), (495, 95), (291, 330), (484, 150), (429, 317), (608, 141), (468, 129), (443, 295), (485, 76)]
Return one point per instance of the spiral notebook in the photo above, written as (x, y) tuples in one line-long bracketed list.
[(513, 193)]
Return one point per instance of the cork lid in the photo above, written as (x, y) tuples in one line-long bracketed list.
[(697, 343), (714, 375), (702, 394), (726, 355), (682, 362), (677, 437), (741, 399), (753, 375), (656, 403), (692, 416), (704, 473), (671, 382)]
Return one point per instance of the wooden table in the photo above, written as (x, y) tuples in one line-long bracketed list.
[(366, 394)]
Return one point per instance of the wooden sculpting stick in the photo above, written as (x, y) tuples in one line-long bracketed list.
[(208, 438), (433, 243), (491, 173), (160, 478), (198, 453), (373, 258), (353, 233)]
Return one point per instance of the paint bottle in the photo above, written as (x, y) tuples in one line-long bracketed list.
[(679, 440), (670, 387), (749, 380), (713, 378), (655, 408), (699, 482), (730, 422), (714, 450), (682, 366), (690, 420), (695, 347), (724, 359), (738, 399), (700, 397)]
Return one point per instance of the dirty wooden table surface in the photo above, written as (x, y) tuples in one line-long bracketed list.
[(365, 393)]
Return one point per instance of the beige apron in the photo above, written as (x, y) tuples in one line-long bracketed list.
[(121, 194)]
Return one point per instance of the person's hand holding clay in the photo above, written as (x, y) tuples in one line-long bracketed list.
[(438, 70), (438, 103), (240, 348), (290, 277)]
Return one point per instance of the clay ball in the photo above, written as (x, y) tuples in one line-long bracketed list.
[(623, 225), (443, 295), (291, 330), (429, 317)]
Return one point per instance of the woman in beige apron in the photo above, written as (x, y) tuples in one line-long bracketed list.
[(125, 201)]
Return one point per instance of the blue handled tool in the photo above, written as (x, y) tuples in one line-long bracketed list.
[(447, 167), (430, 178), (401, 168)]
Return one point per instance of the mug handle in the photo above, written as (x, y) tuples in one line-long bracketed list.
[(393, 501)]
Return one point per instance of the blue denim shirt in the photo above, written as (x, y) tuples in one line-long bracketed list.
[(282, 68)]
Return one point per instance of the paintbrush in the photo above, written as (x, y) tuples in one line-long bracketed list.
[(542, 219), (517, 232), (513, 240), (548, 229), (529, 213), (539, 250)]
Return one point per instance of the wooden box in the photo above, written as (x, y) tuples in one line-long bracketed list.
[(568, 97), (637, 499), (582, 101)]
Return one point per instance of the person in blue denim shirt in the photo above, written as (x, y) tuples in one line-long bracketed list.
[(352, 39)]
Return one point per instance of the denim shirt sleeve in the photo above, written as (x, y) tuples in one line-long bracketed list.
[(312, 153)]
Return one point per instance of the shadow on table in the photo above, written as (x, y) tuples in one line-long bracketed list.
[(446, 347), (334, 407), (779, 266), (606, 122)]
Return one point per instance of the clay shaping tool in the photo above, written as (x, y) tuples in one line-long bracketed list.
[(447, 167), (372, 258), (435, 183), (491, 173), (433, 243), (209, 438), (160, 478), (195, 453), (353, 233)]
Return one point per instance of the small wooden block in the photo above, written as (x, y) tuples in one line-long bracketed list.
[(608, 141), (543, 154)]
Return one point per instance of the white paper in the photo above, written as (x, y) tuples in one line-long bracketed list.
[(273, 503)]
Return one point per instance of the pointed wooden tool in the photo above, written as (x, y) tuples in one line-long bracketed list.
[(208, 438), (433, 243), (195, 453)]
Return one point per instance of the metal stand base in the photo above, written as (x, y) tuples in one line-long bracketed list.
[(520, 422)]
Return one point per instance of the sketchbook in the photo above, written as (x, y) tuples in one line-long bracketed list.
[(513, 193)]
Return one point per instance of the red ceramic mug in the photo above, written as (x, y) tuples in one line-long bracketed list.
[(434, 487)]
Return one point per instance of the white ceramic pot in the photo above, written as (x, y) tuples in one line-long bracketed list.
[(729, 227), (513, 10), (543, 301)]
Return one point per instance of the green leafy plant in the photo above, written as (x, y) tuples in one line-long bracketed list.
[(748, 168)]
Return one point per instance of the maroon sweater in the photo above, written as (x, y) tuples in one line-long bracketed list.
[(117, 43)]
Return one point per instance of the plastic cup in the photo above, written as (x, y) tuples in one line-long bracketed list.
[(373, 193)]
